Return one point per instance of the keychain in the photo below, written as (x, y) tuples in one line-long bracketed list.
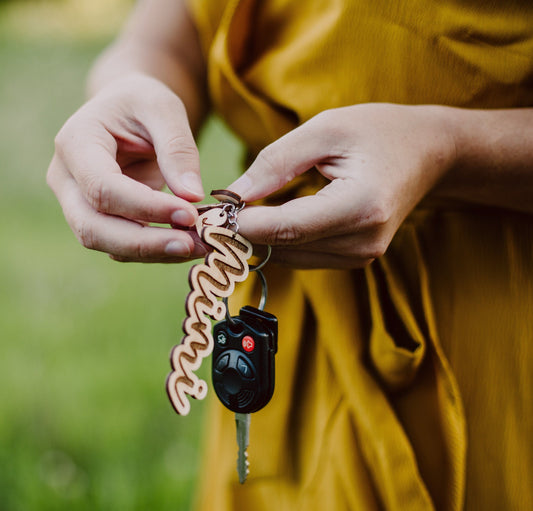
[(243, 353), (214, 278), (243, 366)]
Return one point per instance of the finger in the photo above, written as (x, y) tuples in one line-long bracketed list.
[(283, 160), (167, 124), (165, 259), (118, 236), (199, 251), (328, 213), (146, 172), (91, 161), (363, 245), (301, 259)]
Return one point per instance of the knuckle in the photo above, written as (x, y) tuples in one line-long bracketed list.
[(273, 163), (269, 163), (97, 193), (376, 249), (378, 213), (330, 127), (84, 234), (325, 117), (372, 245), (181, 145), (140, 251), (284, 233), (366, 253), (267, 158), (51, 176), (330, 123), (66, 136), (60, 140)]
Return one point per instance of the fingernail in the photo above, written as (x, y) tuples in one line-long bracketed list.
[(182, 217), (177, 248), (199, 249), (242, 185), (191, 182)]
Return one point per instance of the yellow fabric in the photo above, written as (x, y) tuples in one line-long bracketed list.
[(407, 385)]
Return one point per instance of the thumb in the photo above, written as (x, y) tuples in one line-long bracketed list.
[(280, 162), (173, 141)]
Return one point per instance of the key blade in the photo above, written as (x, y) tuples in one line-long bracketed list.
[(242, 421), (243, 467)]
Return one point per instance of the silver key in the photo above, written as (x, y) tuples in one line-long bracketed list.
[(242, 420)]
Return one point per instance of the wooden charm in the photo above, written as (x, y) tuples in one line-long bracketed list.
[(213, 279)]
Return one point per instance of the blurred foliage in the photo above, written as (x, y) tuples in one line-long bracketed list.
[(62, 19), (33, 1), (84, 341)]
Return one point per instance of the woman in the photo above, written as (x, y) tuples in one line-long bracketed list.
[(403, 376)]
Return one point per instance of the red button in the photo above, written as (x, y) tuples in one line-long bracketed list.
[(248, 344)]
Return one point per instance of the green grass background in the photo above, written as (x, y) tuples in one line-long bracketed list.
[(84, 341)]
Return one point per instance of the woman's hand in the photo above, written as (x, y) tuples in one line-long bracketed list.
[(113, 156), (381, 160)]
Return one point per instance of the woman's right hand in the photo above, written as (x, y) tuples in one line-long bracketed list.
[(111, 160)]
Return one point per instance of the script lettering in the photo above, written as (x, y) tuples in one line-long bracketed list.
[(213, 279)]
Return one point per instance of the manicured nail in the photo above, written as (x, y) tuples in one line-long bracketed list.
[(241, 186), (177, 248), (182, 217), (191, 181)]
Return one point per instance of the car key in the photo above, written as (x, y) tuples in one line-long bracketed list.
[(243, 371)]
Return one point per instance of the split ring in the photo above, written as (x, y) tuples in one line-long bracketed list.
[(257, 267)]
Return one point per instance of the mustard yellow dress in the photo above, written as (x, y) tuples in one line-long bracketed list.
[(407, 385)]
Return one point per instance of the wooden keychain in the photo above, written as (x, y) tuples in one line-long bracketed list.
[(243, 358), (214, 278)]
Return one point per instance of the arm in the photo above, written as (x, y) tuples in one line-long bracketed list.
[(493, 158), (132, 137), (381, 160)]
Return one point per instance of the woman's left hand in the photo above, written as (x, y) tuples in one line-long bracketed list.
[(380, 159)]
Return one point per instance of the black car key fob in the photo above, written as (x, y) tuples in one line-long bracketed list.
[(243, 359)]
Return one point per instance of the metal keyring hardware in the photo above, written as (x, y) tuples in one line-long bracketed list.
[(262, 301)]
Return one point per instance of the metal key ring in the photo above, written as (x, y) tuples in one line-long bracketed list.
[(257, 267), (262, 301)]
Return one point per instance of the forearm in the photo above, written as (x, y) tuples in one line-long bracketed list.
[(159, 40), (493, 160)]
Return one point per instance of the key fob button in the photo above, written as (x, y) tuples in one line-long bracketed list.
[(244, 368), (222, 362), (248, 343), (232, 381)]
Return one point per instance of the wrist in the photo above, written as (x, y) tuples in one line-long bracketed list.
[(436, 134), (455, 128)]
